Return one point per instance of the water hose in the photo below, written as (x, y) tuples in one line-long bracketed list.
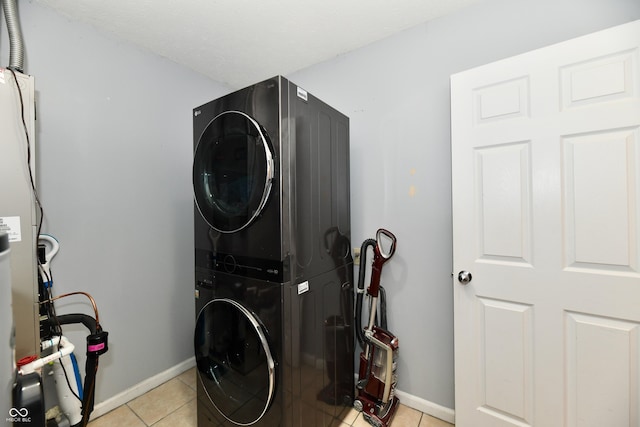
[(97, 344)]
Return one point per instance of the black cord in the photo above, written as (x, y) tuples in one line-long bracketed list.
[(26, 134), (51, 311), (66, 377), (58, 331), (33, 184)]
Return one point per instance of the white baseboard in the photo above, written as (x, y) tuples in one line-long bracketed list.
[(141, 388), (415, 402), (422, 405)]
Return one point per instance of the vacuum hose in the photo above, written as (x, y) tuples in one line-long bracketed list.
[(360, 289), (383, 309), (16, 47)]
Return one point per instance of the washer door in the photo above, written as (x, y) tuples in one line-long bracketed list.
[(232, 171), (235, 364)]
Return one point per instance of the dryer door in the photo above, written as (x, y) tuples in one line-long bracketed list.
[(234, 361), (232, 171)]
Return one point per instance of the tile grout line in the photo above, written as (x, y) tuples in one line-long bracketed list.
[(187, 384), (177, 409), (136, 414)]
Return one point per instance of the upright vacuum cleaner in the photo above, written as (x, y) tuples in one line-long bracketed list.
[(377, 377)]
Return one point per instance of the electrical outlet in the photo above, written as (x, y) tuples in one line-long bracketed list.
[(356, 256)]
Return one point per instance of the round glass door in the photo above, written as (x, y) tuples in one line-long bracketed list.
[(232, 171), (235, 365)]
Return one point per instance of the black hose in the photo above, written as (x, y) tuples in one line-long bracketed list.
[(360, 289), (383, 309), (91, 367), (70, 319), (91, 364)]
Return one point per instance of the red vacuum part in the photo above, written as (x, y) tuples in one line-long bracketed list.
[(377, 378)]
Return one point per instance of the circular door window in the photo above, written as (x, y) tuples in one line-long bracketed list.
[(232, 171), (234, 361)]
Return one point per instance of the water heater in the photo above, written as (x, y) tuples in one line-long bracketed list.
[(18, 214)]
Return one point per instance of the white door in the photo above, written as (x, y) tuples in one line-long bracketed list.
[(546, 217)]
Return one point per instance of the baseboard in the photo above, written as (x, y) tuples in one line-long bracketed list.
[(422, 405), (415, 402), (141, 388)]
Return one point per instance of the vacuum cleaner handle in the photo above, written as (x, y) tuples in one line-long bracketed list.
[(382, 252), (385, 243)]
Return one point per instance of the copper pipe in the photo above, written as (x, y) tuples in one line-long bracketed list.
[(93, 303)]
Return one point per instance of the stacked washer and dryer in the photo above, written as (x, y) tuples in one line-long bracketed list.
[(273, 268)]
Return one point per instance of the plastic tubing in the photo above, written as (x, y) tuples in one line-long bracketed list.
[(66, 348)]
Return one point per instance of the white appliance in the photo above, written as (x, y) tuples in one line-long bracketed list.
[(18, 216), (7, 365)]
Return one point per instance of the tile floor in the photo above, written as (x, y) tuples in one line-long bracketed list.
[(173, 404)]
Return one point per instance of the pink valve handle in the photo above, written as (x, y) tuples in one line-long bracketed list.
[(95, 347)]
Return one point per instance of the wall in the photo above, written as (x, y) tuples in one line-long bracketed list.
[(396, 93), (114, 151), (114, 158)]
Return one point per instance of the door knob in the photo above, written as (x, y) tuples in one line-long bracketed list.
[(464, 277)]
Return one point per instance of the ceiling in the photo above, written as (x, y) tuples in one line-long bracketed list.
[(239, 42)]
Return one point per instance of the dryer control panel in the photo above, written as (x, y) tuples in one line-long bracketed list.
[(256, 268)]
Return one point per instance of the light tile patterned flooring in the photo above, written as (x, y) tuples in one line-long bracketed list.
[(173, 404)]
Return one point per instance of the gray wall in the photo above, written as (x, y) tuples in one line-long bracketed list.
[(114, 147), (396, 93), (114, 151)]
